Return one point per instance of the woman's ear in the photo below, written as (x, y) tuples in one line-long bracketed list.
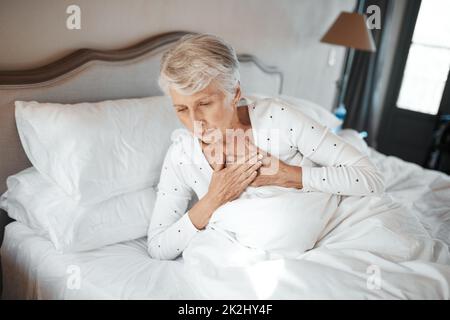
[(237, 95)]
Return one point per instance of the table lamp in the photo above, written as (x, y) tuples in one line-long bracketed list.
[(349, 30)]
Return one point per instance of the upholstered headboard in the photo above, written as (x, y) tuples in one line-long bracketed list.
[(91, 75)]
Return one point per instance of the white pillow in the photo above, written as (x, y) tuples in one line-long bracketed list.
[(311, 109), (41, 205), (283, 221), (95, 151)]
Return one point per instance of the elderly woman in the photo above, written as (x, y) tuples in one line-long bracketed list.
[(201, 75)]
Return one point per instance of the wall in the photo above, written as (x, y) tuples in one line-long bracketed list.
[(284, 33)]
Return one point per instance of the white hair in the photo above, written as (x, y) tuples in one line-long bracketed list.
[(195, 61)]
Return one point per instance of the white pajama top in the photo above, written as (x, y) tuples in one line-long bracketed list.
[(329, 165)]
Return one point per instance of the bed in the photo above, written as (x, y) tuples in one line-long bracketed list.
[(361, 255)]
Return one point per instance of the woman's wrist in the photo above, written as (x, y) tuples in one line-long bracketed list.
[(291, 176), (212, 201), (203, 210)]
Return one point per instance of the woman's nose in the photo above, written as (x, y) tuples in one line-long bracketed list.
[(196, 116)]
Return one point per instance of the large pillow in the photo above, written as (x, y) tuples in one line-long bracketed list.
[(282, 221), (311, 109), (44, 207), (95, 151)]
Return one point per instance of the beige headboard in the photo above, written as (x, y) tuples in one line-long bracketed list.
[(90, 75)]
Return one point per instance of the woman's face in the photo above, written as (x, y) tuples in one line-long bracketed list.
[(207, 113)]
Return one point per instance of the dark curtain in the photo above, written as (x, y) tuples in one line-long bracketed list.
[(365, 73)]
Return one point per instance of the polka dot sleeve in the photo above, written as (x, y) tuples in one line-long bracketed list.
[(344, 169), (170, 228)]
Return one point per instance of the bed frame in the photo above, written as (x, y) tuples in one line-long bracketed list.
[(94, 75)]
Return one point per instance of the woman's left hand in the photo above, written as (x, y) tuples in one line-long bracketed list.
[(275, 172)]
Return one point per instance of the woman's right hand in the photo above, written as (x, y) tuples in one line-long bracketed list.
[(226, 184), (229, 182)]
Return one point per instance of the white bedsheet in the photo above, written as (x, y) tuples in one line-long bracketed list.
[(32, 269), (393, 247)]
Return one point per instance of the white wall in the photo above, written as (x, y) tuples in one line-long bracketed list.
[(284, 33)]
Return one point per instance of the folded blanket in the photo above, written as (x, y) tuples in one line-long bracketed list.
[(281, 221)]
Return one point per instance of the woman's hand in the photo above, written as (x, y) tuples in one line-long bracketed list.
[(275, 172), (229, 182), (272, 172), (226, 184)]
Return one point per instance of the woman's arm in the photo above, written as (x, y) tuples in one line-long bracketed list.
[(170, 228), (345, 170)]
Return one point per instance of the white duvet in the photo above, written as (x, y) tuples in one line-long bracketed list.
[(392, 247), (372, 247)]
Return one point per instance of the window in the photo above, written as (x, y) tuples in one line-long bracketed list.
[(428, 61)]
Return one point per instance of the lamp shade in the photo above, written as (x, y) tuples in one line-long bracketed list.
[(350, 30)]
